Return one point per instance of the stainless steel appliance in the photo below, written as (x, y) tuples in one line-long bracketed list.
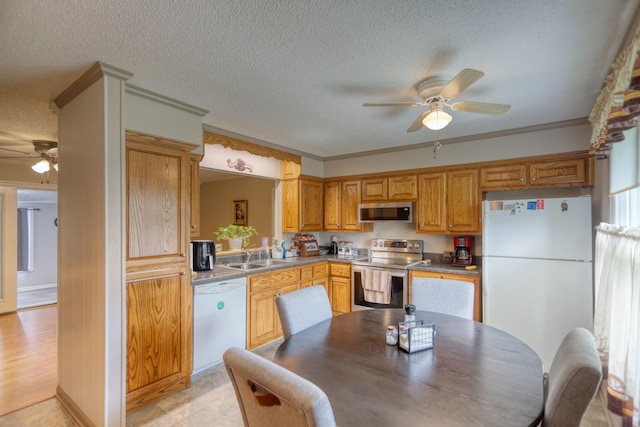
[(385, 212), (203, 255), (394, 256)]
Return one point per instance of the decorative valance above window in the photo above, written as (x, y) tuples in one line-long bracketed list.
[(618, 105)]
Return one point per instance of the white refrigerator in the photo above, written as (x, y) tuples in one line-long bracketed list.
[(537, 269)]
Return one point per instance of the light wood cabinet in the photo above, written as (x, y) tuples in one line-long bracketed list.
[(551, 171), (340, 284), (263, 323), (463, 201), (431, 207), (194, 199), (475, 279), (392, 188), (159, 296), (315, 274), (449, 202), (341, 200), (302, 205)]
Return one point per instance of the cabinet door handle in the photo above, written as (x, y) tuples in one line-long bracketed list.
[(533, 178), (193, 226), (182, 254), (184, 273), (522, 179)]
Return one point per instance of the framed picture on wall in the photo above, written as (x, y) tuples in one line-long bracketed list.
[(309, 247), (240, 212)]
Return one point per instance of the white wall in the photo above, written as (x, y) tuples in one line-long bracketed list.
[(45, 246), (155, 114), (549, 141)]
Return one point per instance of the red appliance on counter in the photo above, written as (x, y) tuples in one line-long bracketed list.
[(462, 250)]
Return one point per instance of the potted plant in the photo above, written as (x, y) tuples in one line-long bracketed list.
[(237, 235)]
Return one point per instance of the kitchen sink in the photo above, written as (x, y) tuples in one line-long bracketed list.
[(253, 265)]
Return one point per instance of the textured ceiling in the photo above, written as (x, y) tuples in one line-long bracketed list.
[(296, 73)]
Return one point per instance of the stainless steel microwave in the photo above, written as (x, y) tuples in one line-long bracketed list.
[(386, 212)]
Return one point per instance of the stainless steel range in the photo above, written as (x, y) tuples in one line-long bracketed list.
[(389, 255)]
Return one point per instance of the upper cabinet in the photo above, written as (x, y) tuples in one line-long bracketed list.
[(392, 188), (341, 200), (302, 204), (548, 171), (448, 202)]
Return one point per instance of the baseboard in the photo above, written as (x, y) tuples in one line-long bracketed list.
[(72, 409), (36, 287)]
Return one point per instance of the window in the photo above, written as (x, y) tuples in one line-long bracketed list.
[(624, 178)]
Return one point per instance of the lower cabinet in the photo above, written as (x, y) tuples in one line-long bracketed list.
[(159, 331), (340, 284), (316, 274), (475, 279), (263, 323)]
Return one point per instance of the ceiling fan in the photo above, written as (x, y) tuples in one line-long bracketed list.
[(436, 94), (47, 151)]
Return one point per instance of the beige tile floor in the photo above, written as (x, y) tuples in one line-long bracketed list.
[(210, 401)]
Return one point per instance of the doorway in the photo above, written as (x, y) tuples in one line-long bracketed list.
[(37, 247)]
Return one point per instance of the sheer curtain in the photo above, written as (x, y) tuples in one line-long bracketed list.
[(617, 317)]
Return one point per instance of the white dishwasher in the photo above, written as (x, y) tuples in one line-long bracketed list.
[(219, 320)]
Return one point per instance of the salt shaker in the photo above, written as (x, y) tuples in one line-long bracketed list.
[(409, 309), (392, 335)]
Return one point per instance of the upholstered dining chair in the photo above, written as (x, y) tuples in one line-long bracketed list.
[(303, 308), (453, 297), (573, 380), (272, 396)]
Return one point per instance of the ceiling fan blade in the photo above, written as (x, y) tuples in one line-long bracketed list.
[(19, 152), (463, 80), (395, 104), (480, 107), (417, 125)]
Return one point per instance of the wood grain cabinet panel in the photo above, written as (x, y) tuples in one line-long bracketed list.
[(302, 205), (403, 187), (263, 323), (548, 171), (463, 201), (159, 296), (557, 173), (332, 206), (392, 188), (431, 208), (340, 284)]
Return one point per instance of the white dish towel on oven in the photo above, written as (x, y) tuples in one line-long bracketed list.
[(376, 285)]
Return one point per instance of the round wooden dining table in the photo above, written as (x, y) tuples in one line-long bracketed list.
[(475, 374)]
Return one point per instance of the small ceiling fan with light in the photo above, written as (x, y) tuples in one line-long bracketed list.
[(436, 94), (47, 151)]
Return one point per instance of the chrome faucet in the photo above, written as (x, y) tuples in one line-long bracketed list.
[(249, 253)]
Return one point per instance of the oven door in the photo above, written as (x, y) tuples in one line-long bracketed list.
[(398, 289)]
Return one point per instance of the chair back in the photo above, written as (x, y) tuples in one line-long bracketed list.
[(454, 297), (573, 380), (303, 308), (272, 396)]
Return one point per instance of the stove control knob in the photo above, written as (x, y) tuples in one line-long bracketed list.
[(410, 245)]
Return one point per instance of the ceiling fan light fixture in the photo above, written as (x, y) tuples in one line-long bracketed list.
[(437, 119), (41, 167)]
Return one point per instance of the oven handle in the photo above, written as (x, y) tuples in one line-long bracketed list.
[(394, 272)]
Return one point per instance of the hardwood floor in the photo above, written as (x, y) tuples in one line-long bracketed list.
[(28, 357)]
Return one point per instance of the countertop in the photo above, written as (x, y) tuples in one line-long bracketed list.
[(221, 272)]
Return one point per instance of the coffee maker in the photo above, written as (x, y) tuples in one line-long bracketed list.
[(203, 254), (462, 250)]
